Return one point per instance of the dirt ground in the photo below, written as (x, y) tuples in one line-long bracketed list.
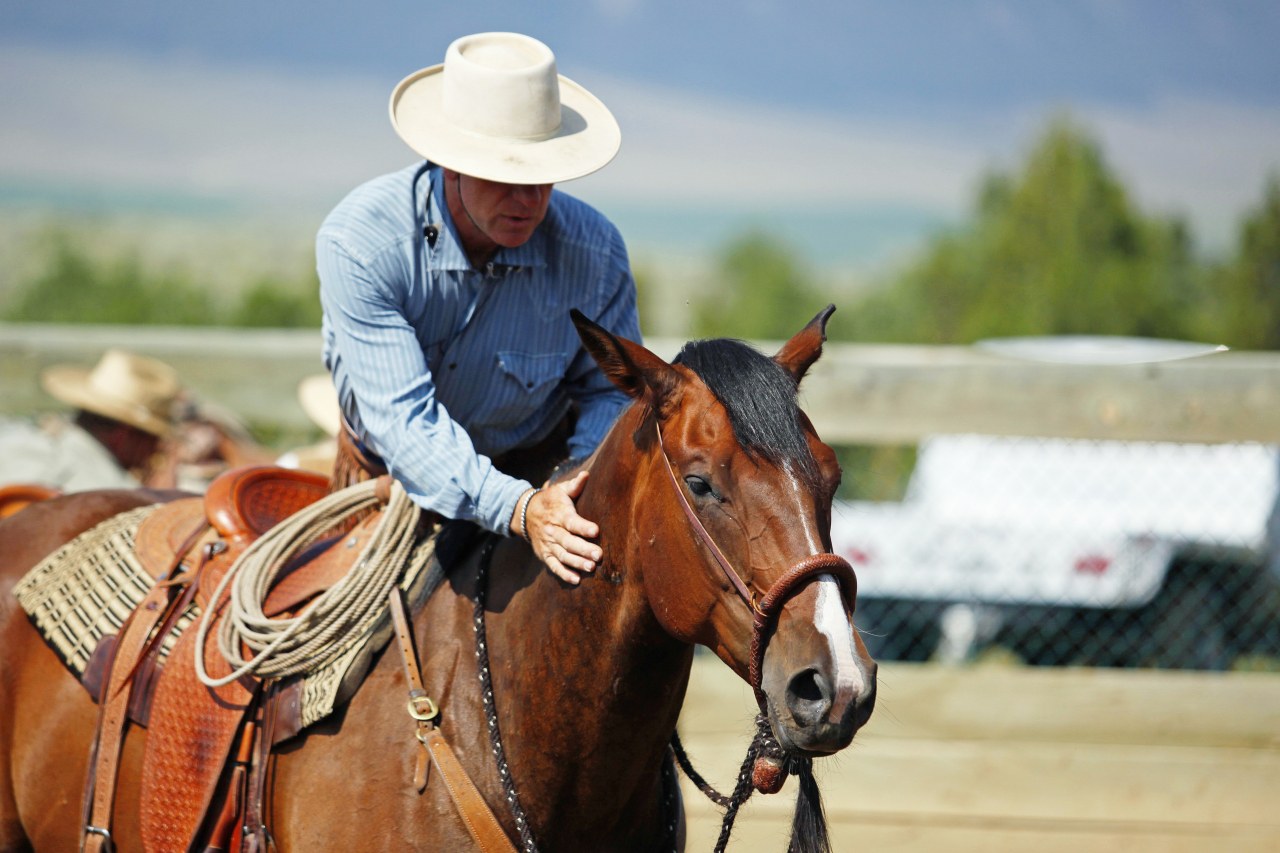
[(999, 758)]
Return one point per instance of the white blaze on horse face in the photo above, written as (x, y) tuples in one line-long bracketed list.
[(798, 494), (831, 621)]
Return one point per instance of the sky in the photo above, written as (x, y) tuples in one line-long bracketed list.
[(852, 127)]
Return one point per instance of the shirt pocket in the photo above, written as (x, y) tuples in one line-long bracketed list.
[(527, 381)]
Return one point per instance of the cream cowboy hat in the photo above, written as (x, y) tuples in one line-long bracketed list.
[(496, 109), (319, 400), (133, 389)]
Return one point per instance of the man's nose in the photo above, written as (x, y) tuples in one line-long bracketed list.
[(530, 194)]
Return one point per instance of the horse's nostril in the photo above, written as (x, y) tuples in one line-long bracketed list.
[(806, 686), (808, 697)]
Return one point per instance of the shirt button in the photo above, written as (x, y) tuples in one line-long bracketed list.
[(528, 384), (453, 365)]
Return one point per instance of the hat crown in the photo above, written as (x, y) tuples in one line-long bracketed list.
[(502, 85), (131, 388), (497, 109), (136, 380)]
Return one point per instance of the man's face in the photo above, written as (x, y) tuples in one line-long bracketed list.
[(505, 214)]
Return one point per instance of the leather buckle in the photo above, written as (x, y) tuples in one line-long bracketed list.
[(107, 846), (423, 709)]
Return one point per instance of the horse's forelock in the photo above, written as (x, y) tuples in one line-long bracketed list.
[(760, 398)]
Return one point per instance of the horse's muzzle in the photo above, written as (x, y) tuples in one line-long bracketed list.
[(815, 721), (818, 680)]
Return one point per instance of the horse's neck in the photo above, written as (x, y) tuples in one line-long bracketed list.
[(600, 632), (594, 691), (600, 681)]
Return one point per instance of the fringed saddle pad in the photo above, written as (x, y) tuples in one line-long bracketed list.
[(87, 588)]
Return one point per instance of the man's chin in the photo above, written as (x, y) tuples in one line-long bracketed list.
[(510, 238)]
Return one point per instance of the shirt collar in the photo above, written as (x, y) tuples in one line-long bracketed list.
[(448, 254)]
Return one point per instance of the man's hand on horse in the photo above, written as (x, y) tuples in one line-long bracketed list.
[(558, 535)]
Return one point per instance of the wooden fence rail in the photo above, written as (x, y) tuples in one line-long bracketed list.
[(855, 394)]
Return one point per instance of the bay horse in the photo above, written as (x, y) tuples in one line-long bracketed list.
[(713, 457)]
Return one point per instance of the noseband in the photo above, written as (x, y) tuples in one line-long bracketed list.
[(765, 609)]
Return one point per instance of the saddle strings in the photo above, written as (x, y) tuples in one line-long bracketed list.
[(292, 645)]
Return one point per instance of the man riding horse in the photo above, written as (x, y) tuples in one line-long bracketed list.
[(447, 287)]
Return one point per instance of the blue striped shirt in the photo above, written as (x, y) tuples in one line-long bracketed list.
[(440, 366)]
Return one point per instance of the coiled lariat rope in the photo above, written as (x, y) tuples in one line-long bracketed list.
[(293, 645)]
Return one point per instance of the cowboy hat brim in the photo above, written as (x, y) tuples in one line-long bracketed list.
[(588, 138), (71, 385)]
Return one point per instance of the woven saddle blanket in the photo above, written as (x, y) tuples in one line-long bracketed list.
[(86, 590)]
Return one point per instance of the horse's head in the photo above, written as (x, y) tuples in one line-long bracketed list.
[(730, 522)]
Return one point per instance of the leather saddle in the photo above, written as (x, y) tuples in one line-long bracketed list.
[(204, 763), (16, 496)]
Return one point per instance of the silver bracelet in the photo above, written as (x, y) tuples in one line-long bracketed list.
[(524, 512)]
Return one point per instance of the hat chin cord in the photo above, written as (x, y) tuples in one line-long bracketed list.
[(457, 186)]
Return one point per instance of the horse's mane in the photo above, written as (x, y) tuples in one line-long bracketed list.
[(760, 398)]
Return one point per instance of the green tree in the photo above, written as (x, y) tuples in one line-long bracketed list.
[(73, 288), (272, 303), (1244, 307), (648, 304), (762, 292), (1058, 249)]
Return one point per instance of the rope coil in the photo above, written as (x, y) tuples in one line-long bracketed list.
[(281, 647)]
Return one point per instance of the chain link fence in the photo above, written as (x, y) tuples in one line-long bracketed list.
[(1063, 552)]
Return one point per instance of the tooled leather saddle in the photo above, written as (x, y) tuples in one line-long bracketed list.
[(204, 763)]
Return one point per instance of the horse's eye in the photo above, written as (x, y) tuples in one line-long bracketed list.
[(700, 487)]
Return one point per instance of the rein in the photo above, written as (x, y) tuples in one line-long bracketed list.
[(766, 765)]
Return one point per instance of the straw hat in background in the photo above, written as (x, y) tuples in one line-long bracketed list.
[(496, 109), (319, 400), (126, 387)]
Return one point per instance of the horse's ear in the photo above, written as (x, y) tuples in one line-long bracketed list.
[(627, 364), (798, 354)]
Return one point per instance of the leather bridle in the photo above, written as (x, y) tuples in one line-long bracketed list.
[(765, 609)]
